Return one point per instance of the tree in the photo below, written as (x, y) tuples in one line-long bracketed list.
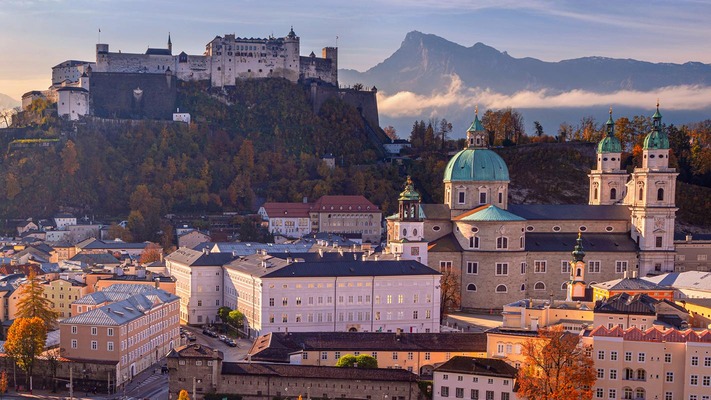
[(449, 293), (183, 395), (32, 302), (556, 367), (25, 341), (3, 383), (117, 231), (539, 128), (236, 318), (224, 313), (70, 159), (152, 252), (362, 361), (390, 132)]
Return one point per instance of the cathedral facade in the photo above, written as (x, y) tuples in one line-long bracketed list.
[(505, 251)]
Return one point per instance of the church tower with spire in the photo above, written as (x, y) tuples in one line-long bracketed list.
[(650, 196), (608, 180), (406, 235), (577, 285), (170, 44)]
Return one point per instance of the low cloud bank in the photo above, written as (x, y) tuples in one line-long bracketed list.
[(458, 95)]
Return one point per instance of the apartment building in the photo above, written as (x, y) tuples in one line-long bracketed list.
[(62, 292), (135, 326), (474, 378)]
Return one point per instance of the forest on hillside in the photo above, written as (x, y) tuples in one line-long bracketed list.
[(261, 141)]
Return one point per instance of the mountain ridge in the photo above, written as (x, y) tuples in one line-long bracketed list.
[(8, 102)]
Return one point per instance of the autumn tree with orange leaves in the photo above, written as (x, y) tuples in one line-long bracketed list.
[(556, 367)]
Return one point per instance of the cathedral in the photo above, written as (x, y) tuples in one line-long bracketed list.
[(506, 251)]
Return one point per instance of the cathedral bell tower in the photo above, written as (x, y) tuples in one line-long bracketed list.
[(607, 180), (651, 199), (406, 235), (577, 285)]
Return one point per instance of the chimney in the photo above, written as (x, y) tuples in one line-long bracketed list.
[(320, 252), (625, 274), (397, 257), (689, 237), (634, 274), (376, 257), (340, 251), (157, 281)]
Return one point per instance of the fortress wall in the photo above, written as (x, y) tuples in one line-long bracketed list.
[(135, 63), (317, 68), (365, 101), (112, 95)]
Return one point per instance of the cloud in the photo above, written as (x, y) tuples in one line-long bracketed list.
[(458, 95)]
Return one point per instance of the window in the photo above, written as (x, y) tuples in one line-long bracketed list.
[(505, 396), (612, 394), (94, 331), (694, 360), (669, 377), (628, 356), (110, 346), (199, 303), (298, 301), (74, 343), (668, 396), (600, 373), (523, 287), (539, 267), (707, 361), (427, 356), (620, 266), (94, 345), (600, 355), (613, 194), (459, 393), (613, 356), (564, 267), (594, 266), (640, 357), (474, 242), (502, 268), (324, 355), (694, 380), (539, 286), (523, 267), (660, 194), (613, 374), (472, 267), (475, 394), (271, 301), (471, 287), (489, 395), (502, 242), (461, 195), (667, 358), (445, 266), (74, 330), (501, 289), (706, 380), (599, 393), (482, 197), (284, 301), (445, 391)]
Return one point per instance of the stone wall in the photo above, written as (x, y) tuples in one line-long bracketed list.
[(134, 96), (365, 101)]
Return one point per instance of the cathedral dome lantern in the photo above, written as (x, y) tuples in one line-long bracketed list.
[(476, 175)]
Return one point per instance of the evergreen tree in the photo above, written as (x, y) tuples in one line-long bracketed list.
[(33, 304)]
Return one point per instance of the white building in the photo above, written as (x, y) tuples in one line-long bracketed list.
[(324, 293), (474, 378), (287, 219), (73, 102), (308, 291)]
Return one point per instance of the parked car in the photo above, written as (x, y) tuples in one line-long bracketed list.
[(231, 342), (191, 337)]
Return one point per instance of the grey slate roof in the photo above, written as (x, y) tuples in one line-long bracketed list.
[(478, 366), (592, 242), (96, 244), (436, 211), (317, 372), (447, 243), (276, 346), (630, 284), (122, 311), (570, 212), (196, 258), (352, 268), (93, 259), (248, 248), (697, 280), (624, 303)]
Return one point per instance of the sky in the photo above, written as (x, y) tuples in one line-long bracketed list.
[(38, 34)]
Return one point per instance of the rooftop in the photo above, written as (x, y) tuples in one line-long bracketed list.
[(318, 372), (478, 366), (573, 212)]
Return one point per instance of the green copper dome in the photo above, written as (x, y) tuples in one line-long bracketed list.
[(609, 144), (476, 165), (656, 139)]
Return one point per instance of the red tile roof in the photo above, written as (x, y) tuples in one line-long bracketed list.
[(296, 210)]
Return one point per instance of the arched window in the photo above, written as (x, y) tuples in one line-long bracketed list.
[(521, 242), (564, 286), (539, 286), (627, 395), (578, 272), (641, 197), (613, 194), (502, 242), (640, 393), (660, 194), (629, 375), (641, 375), (471, 287), (523, 287), (595, 194), (474, 242), (501, 289)]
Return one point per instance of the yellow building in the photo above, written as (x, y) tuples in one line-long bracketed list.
[(62, 292), (699, 311), (416, 352)]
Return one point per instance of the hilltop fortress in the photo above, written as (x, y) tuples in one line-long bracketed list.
[(134, 85)]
